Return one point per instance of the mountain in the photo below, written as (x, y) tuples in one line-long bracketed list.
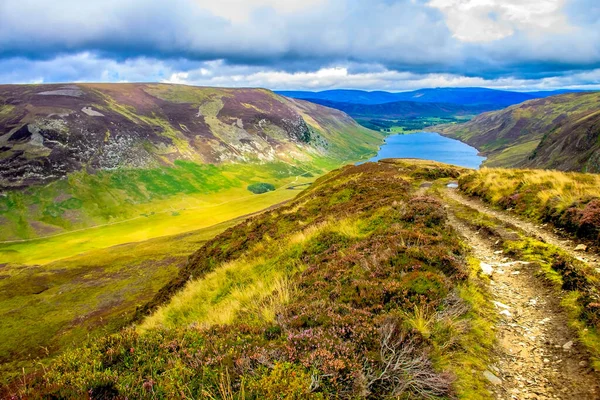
[(343, 96), (89, 154), (492, 99), (559, 132), (49, 131), (403, 109)]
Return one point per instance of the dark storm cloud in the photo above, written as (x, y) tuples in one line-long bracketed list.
[(418, 36)]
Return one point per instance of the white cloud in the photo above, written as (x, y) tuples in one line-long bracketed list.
[(241, 10), (308, 42), (380, 79), (88, 67), (489, 20)]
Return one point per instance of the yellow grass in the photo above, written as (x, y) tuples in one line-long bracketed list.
[(186, 214), (561, 187), (252, 286)]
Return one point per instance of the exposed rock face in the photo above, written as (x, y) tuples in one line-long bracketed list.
[(47, 131), (559, 132)]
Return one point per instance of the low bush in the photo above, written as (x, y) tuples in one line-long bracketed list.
[(260, 188)]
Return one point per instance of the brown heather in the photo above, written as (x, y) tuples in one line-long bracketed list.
[(379, 302)]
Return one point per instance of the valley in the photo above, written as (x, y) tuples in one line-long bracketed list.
[(413, 111), (369, 260), (223, 277), (108, 188)]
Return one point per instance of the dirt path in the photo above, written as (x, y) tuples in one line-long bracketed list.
[(538, 356), (529, 228)]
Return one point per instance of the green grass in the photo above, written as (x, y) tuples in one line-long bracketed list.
[(46, 309), (190, 214), (474, 334), (307, 292)]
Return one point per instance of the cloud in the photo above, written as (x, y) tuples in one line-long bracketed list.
[(87, 67), (489, 20), (306, 41)]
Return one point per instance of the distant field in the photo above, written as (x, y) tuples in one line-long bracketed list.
[(184, 214), (408, 125)]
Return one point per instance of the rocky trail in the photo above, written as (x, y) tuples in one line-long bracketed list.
[(539, 232), (538, 355)]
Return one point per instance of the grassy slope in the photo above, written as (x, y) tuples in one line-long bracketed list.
[(46, 309), (532, 133), (569, 200), (161, 217), (357, 273)]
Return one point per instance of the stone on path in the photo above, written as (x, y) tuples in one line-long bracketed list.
[(500, 305), (492, 378), (581, 247), (486, 268), (568, 345)]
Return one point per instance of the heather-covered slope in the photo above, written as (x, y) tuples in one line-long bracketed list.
[(357, 289), (48, 131), (559, 132), (75, 156)]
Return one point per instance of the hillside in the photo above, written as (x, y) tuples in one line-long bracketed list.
[(106, 189), (559, 132), (326, 297), (378, 281), (90, 154), (48, 131)]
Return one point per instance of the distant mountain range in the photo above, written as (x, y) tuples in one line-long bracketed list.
[(417, 110), (404, 109), (490, 98)]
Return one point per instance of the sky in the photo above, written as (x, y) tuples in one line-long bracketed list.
[(389, 45)]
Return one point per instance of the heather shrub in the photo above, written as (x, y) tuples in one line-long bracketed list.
[(353, 276)]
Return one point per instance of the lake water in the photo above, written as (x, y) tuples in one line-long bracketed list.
[(430, 146)]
